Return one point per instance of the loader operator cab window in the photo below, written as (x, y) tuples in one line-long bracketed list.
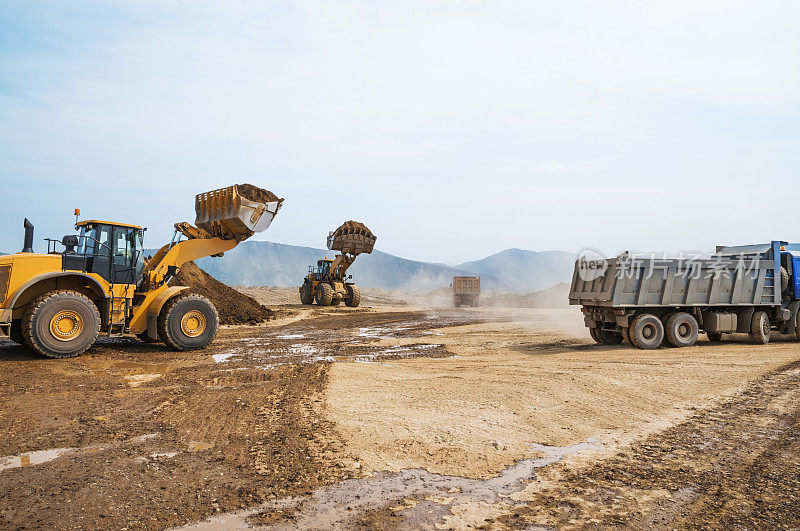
[(112, 251), (324, 268)]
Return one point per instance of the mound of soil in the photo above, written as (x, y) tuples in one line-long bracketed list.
[(254, 193), (233, 307)]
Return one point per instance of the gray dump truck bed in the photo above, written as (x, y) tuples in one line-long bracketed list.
[(718, 281)]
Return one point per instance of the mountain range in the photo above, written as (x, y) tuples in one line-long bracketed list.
[(273, 264)]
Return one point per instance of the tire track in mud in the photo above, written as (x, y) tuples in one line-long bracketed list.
[(736, 465)]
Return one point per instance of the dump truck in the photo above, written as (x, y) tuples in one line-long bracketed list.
[(98, 282), (466, 291), (328, 283), (753, 289)]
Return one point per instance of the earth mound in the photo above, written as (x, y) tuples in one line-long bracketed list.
[(233, 307), (254, 193)]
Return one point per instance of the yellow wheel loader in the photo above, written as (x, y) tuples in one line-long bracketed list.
[(99, 283), (328, 284)]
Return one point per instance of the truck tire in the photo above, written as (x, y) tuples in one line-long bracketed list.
[(760, 328), (609, 337), (714, 337), (61, 324), (306, 294), (353, 296), (784, 280), (796, 325), (188, 322), (324, 295), (647, 332), (681, 330), (595, 333)]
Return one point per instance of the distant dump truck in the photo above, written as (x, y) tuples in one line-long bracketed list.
[(752, 289), (466, 291)]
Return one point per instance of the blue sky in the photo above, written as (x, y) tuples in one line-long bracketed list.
[(454, 129)]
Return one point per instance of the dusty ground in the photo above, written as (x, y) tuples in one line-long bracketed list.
[(402, 417)]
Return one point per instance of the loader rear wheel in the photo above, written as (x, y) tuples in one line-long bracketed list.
[(324, 295), (61, 324), (647, 332), (682, 330), (306, 293), (188, 322), (760, 328), (353, 296)]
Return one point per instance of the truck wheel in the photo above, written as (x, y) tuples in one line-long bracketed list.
[(760, 328), (61, 324), (353, 296), (324, 295), (595, 333), (784, 280), (714, 337), (306, 293), (647, 332), (796, 325), (188, 322), (682, 330), (610, 338)]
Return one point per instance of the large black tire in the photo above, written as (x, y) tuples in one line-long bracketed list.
[(188, 322), (714, 337), (681, 330), (595, 333), (609, 337), (61, 324), (760, 328), (646, 332), (306, 293), (353, 296), (796, 325), (784, 280), (324, 294)]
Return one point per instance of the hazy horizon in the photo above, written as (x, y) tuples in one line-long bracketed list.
[(453, 129)]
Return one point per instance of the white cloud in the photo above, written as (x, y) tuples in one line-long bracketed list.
[(551, 166)]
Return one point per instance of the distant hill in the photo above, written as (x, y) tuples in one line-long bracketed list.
[(525, 271), (275, 264)]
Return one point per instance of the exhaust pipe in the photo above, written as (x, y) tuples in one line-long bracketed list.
[(28, 246)]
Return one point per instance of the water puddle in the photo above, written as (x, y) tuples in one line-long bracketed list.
[(423, 499), (222, 358), (32, 458)]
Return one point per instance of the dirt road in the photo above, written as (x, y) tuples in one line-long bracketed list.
[(398, 417)]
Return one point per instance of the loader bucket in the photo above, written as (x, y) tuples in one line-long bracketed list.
[(236, 212), (352, 237)]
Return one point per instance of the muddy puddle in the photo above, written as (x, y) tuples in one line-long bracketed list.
[(418, 498)]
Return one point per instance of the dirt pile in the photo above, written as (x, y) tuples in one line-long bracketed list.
[(233, 307), (254, 193)]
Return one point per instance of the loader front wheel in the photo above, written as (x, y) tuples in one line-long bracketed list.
[(353, 296), (306, 293), (61, 324), (760, 328), (647, 332), (324, 295), (188, 322)]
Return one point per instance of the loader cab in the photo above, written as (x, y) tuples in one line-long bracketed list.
[(323, 268), (111, 250)]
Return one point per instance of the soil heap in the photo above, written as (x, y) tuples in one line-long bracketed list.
[(233, 307), (254, 193)]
